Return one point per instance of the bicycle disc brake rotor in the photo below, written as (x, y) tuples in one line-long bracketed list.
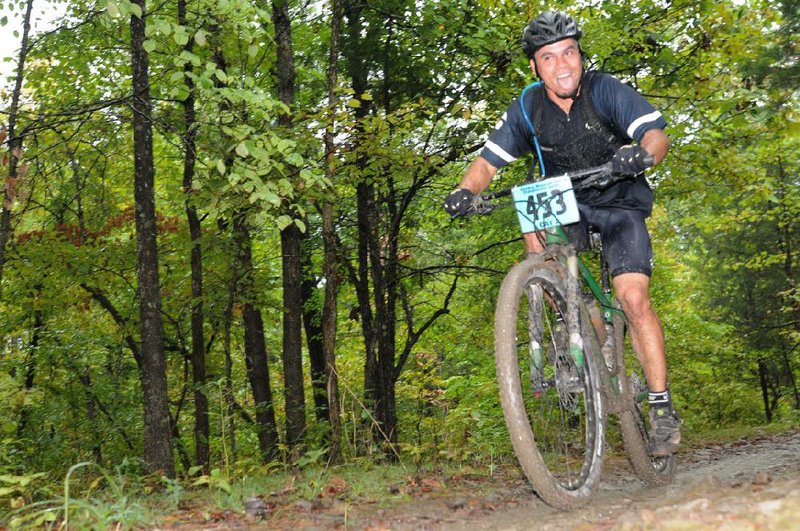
[(568, 382)]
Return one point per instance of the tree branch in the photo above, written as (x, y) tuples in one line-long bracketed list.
[(100, 297)]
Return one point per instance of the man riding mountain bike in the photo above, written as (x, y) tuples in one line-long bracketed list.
[(571, 120)]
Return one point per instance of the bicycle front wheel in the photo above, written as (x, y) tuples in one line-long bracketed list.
[(548, 382)]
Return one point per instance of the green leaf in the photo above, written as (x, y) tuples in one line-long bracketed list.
[(180, 38), (149, 45), (190, 57), (163, 27), (242, 150), (200, 38), (294, 158), (180, 92), (354, 103), (112, 8), (136, 10), (265, 195), (47, 516), (221, 167), (283, 221)]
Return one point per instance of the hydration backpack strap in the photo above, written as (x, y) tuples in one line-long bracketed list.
[(530, 125)]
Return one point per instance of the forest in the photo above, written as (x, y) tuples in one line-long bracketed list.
[(223, 247)]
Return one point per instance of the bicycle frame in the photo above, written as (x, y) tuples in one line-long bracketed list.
[(557, 236), (613, 392)]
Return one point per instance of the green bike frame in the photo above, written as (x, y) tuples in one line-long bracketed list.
[(556, 235)]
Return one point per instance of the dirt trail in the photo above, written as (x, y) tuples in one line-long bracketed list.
[(750, 484)]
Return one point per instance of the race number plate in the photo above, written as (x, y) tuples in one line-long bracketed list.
[(546, 203)]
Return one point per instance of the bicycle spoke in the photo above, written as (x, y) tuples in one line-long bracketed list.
[(553, 414), (555, 403), (652, 470)]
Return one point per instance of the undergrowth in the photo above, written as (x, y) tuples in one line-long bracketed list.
[(91, 497)]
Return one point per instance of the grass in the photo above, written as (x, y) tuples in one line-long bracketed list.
[(94, 498)]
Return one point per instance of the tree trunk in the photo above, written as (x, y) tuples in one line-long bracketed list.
[(378, 392), (330, 264), (329, 318), (229, 423), (292, 340), (30, 364), (786, 229), (14, 142), (367, 241), (157, 449), (387, 261), (202, 429), (255, 348), (91, 416), (763, 379), (291, 249), (312, 324)]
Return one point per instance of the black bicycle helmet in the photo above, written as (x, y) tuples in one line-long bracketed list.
[(547, 28)]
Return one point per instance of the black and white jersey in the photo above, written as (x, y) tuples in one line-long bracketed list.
[(604, 116), (615, 103)]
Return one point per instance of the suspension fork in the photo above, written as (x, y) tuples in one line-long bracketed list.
[(602, 321), (569, 258)]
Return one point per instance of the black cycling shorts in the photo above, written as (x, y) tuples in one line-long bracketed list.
[(626, 242)]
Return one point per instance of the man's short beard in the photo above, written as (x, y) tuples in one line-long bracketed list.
[(569, 95)]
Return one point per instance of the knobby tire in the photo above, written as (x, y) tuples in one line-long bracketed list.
[(633, 423), (558, 437)]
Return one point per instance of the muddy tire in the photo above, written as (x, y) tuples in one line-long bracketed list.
[(633, 423), (552, 403)]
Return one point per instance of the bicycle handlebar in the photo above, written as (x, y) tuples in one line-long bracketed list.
[(595, 177)]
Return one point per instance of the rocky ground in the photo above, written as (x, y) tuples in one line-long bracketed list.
[(753, 483)]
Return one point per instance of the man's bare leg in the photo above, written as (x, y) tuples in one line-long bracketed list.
[(647, 336)]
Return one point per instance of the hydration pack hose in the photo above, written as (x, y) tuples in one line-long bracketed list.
[(530, 124)]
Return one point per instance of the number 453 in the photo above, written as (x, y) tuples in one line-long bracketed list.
[(545, 202)]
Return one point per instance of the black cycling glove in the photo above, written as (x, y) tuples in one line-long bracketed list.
[(631, 160), (458, 202)]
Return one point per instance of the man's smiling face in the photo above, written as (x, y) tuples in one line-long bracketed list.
[(560, 67)]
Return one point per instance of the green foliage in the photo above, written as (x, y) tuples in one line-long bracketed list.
[(737, 217), (107, 500), (438, 75)]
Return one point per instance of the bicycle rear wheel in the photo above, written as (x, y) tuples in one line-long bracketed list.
[(633, 423), (550, 396)]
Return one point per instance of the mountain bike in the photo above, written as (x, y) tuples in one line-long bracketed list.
[(561, 352)]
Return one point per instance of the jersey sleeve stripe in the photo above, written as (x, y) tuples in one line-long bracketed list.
[(652, 117), (500, 152)]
